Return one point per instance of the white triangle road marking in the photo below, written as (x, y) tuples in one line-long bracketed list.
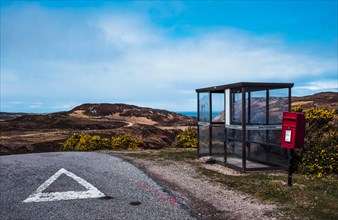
[(39, 196)]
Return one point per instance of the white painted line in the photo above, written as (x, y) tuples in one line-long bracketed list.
[(39, 196)]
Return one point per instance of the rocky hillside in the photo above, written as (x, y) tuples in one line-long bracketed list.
[(132, 114), (25, 133), (54, 121), (327, 100), (5, 116)]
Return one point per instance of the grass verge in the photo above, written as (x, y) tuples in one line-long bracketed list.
[(175, 154), (308, 198)]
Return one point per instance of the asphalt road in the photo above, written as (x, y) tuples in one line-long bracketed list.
[(76, 185)]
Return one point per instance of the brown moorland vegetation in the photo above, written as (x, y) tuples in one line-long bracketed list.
[(26, 133)]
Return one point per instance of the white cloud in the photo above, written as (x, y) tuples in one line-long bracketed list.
[(320, 85), (127, 31), (36, 105), (126, 58)]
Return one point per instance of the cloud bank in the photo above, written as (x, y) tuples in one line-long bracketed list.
[(52, 59)]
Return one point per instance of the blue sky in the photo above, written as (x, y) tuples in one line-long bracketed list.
[(56, 55)]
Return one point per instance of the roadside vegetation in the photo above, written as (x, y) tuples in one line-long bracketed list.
[(309, 197), (187, 138), (314, 194), (319, 156), (86, 142), (126, 141)]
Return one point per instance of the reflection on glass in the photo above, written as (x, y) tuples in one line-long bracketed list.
[(236, 108), (278, 103), (257, 136), (218, 107), (217, 141), (274, 136), (259, 155), (258, 108), (204, 107), (234, 147), (263, 149), (203, 139)]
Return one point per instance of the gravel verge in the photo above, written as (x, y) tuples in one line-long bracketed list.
[(208, 200)]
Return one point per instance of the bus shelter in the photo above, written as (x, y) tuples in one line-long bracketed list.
[(240, 124)]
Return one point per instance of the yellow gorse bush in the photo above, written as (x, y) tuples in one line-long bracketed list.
[(126, 141), (71, 142), (85, 142), (187, 138), (320, 153)]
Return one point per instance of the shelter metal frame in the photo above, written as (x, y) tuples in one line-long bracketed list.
[(243, 126)]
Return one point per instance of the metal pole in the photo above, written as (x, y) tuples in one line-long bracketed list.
[(291, 155), (225, 144), (198, 126), (243, 130), (210, 124), (290, 151)]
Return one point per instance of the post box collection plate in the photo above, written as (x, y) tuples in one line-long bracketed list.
[(288, 136)]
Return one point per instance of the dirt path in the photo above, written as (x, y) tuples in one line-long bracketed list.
[(208, 200)]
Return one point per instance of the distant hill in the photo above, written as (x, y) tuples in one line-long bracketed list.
[(149, 116), (131, 113), (25, 133), (327, 100), (5, 116)]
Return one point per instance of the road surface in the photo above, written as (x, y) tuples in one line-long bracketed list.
[(82, 185)]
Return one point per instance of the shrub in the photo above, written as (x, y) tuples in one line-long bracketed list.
[(187, 138), (126, 141), (105, 143), (320, 152), (85, 142), (71, 142)]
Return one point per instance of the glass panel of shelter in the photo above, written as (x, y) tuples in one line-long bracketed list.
[(221, 129), (257, 150), (204, 123), (217, 108), (204, 107), (264, 145), (234, 137), (217, 126), (261, 145), (278, 103), (203, 139)]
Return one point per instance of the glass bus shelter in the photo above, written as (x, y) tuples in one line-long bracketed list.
[(240, 124)]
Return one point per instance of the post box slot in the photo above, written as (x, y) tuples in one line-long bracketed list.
[(289, 119)]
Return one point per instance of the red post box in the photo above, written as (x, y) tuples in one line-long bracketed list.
[(293, 130)]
